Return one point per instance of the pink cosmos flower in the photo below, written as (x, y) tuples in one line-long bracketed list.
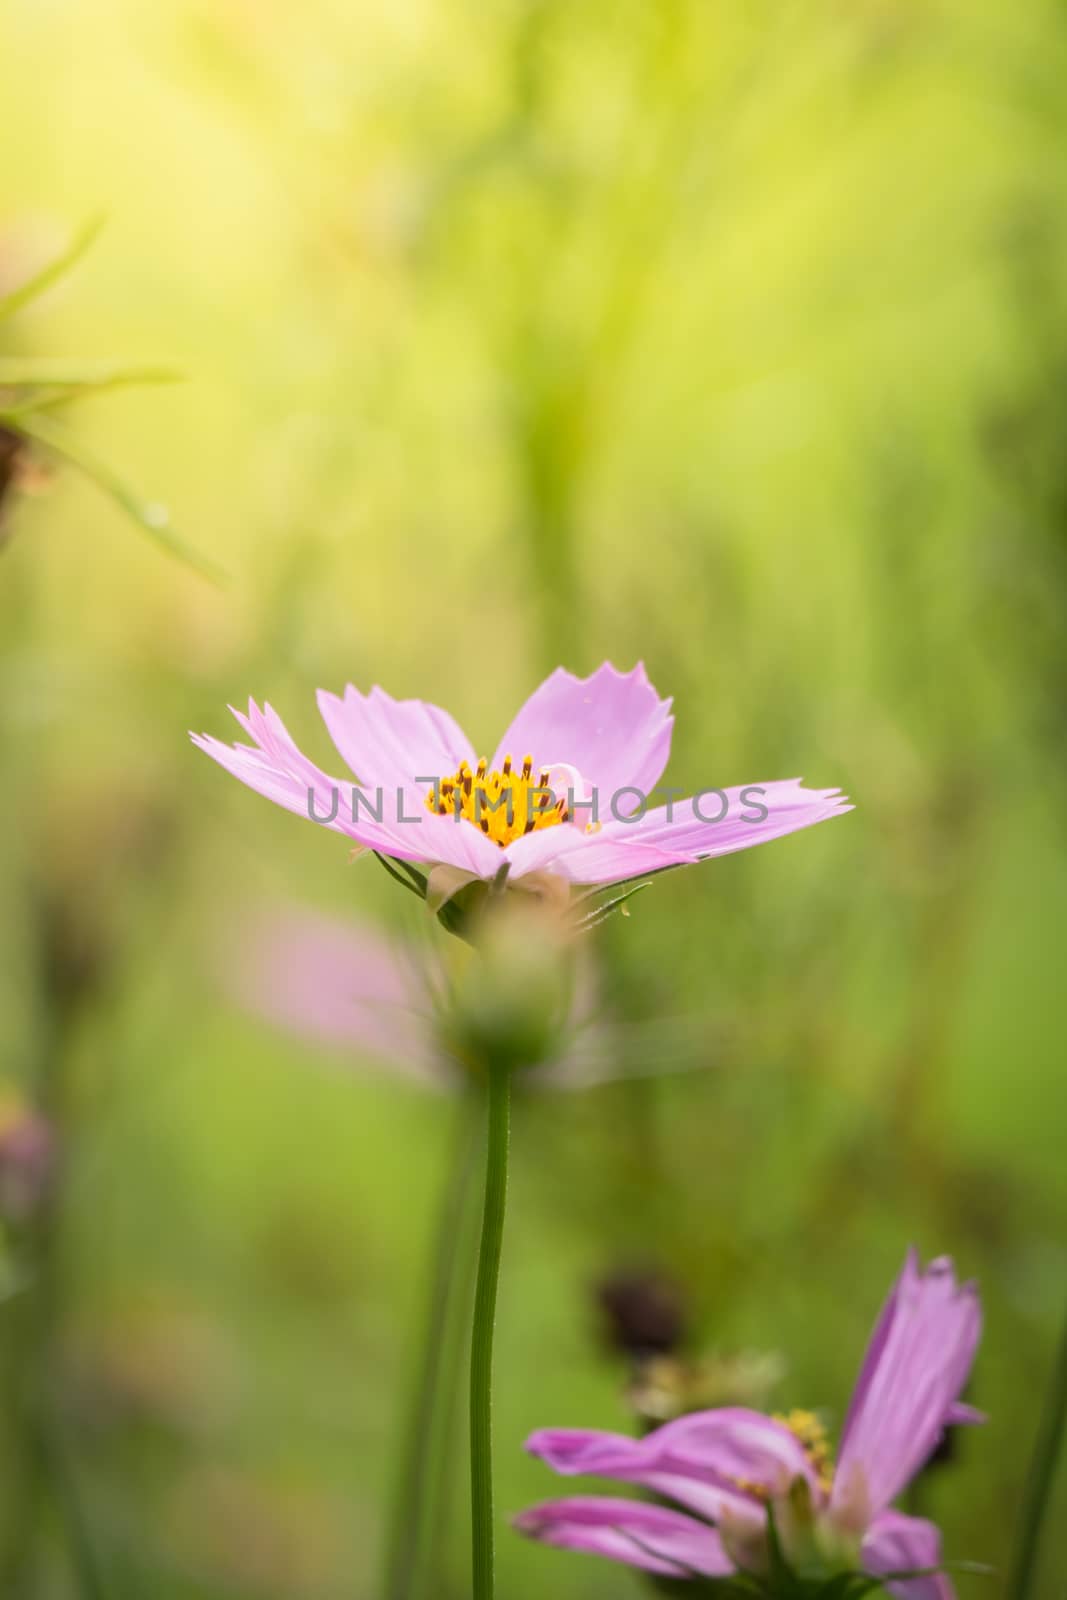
[(565, 793), (729, 1468)]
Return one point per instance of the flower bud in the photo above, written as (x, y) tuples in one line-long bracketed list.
[(509, 1004), (643, 1312)]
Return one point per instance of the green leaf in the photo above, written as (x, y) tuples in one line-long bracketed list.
[(54, 270), (152, 518)]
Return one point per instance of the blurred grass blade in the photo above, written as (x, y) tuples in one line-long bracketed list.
[(151, 517), (92, 1583), (1038, 1490), (53, 271), (56, 383), (410, 1567)]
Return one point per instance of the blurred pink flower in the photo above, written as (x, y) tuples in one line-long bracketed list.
[(28, 1157), (729, 1466), (344, 985), (577, 743), (339, 984)]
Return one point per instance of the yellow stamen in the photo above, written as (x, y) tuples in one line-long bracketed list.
[(504, 805), (811, 1432)]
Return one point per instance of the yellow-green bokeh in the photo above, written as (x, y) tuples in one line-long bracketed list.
[(733, 338)]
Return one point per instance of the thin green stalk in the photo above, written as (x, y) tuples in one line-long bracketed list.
[(496, 1185), (1040, 1477), (441, 1447), (416, 1485)]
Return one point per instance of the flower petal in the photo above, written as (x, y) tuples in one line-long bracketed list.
[(735, 1446), (274, 767), (649, 1537), (392, 743), (917, 1363), (708, 1461), (389, 743), (449, 840), (718, 821), (612, 726), (896, 1543), (714, 823), (541, 851), (595, 860), (961, 1415)]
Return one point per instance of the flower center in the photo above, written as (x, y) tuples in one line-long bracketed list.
[(809, 1430), (505, 805)]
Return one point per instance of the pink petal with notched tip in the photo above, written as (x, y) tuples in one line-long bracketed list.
[(918, 1361), (620, 850), (612, 727), (390, 743), (274, 767)]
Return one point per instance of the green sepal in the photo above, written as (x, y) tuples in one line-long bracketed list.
[(410, 878), (606, 908)]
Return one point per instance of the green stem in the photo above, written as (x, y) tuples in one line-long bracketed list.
[(496, 1184), (1040, 1478), (416, 1487)]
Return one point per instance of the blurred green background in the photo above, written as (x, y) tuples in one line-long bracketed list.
[(729, 337)]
